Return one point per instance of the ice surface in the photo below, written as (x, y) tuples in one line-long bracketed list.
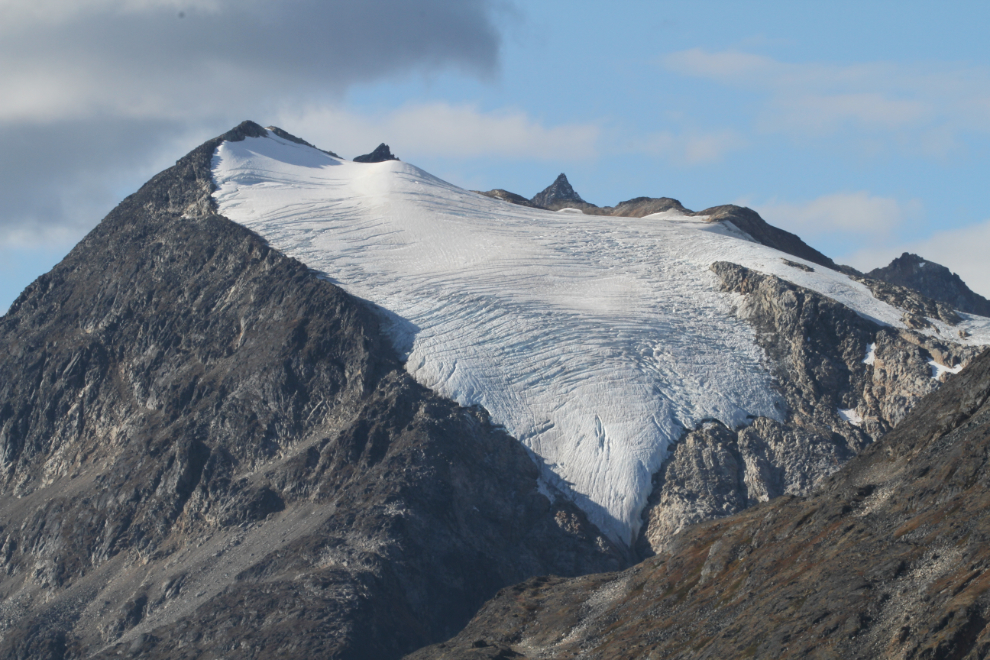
[(851, 416), (594, 340), (939, 369), (871, 354)]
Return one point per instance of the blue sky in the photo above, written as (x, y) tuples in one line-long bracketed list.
[(864, 129)]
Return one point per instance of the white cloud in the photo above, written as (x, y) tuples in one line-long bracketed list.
[(692, 148), (96, 92), (927, 103), (441, 129), (962, 250), (854, 213)]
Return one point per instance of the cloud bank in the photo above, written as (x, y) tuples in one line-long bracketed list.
[(95, 92), (923, 107), (444, 130), (858, 215)]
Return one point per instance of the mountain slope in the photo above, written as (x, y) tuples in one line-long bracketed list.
[(889, 559), (205, 446)]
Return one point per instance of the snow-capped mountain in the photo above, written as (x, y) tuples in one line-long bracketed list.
[(213, 441), (596, 341)]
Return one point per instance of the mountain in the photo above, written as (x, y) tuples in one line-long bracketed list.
[(597, 342), (558, 195), (293, 405), (932, 280), (207, 446), (889, 559)]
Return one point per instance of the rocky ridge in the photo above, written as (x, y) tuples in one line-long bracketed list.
[(560, 195)]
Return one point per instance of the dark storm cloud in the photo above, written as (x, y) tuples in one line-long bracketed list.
[(95, 89)]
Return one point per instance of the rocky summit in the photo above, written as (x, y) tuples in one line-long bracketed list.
[(933, 280), (558, 195), (252, 420)]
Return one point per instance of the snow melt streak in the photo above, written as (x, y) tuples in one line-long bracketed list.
[(594, 341)]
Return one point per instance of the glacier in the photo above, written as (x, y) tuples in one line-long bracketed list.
[(595, 341)]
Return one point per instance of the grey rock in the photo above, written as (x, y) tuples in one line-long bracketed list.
[(917, 306), (559, 195), (381, 154), (815, 349), (934, 281)]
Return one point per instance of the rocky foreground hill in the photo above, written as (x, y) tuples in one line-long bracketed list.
[(208, 450), (889, 559)]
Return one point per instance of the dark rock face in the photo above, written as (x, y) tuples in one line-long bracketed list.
[(379, 155), (917, 307), (816, 349), (934, 281), (558, 195), (889, 559), (207, 449)]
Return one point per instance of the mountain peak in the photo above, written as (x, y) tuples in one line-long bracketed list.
[(379, 155), (933, 280), (558, 191)]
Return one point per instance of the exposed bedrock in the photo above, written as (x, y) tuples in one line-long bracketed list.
[(846, 381), (206, 449), (933, 280), (889, 558)]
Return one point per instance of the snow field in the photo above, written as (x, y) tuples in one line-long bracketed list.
[(594, 340)]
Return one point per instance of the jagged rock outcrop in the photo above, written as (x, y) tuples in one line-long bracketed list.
[(846, 381), (381, 154), (917, 307), (559, 195), (207, 449), (889, 559), (934, 281)]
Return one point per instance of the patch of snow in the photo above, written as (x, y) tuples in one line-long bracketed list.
[(939, 369), (851, 416), (871, 354), (596, 341)]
